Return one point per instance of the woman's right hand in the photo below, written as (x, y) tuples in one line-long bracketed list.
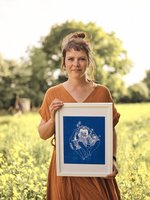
[(54, 106), (46, 128)]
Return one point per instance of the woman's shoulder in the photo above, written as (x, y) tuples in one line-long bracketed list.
[(55, 88), (102, 87)]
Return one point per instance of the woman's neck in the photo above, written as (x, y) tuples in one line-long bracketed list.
[(80, 89), (77, 83)]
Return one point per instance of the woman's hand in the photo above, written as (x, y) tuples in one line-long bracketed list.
[(46, 128), (115, 171), (54, 106)]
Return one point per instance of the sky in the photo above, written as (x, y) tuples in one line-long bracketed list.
[(24, 22)]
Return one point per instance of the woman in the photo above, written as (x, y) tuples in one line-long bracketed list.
[(77, 63)]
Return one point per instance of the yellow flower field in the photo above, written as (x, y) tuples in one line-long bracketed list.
[(24, 157)]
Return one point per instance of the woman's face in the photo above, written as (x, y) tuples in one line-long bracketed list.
[(76, 63)]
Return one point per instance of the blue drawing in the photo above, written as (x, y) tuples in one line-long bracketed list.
[(84, 139)]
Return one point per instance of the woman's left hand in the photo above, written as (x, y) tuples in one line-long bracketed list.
[(115, 171)]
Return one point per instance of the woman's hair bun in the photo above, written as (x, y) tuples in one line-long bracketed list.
[(79, 35)]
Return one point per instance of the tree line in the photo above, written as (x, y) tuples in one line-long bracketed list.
[(33, 75)]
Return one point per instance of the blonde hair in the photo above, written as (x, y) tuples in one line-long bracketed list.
[(78, 41)]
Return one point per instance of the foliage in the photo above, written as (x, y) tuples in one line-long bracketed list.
[(38, 82), (24, 157), (138, 92), (31, 77), (13, 79), (146, 80)]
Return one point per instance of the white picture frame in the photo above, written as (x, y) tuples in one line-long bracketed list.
[(84, 139)]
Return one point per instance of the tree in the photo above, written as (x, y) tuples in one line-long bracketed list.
[(146, 80), (32, 77), (111, 58), (13, 79), (138, 92), (39, 75)]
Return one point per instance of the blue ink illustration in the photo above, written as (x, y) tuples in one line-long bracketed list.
[(84, 140)]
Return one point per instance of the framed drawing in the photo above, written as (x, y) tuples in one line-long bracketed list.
[(84, 139)]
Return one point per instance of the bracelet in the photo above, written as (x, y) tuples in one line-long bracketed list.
[(114, 157)]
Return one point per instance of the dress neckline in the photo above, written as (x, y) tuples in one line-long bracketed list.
[(84, 100)]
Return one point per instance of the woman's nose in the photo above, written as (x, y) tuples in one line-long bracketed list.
[(76, 62)]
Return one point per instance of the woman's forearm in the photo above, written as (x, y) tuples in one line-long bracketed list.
[(46, 129)]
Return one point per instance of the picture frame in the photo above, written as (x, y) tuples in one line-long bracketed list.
[(84, 140)]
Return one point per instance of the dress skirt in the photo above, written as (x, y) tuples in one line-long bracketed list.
[(79, 188)]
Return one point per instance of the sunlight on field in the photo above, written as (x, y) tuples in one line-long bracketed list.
[(130, 112), (24, 157), (133, 151)]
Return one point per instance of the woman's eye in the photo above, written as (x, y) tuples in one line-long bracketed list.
[(79, 59), (70, 59), (82, 59)]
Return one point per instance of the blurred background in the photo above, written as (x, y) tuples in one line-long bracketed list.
[(30, 52)]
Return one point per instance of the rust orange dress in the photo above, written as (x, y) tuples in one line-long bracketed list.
[(78, 188)]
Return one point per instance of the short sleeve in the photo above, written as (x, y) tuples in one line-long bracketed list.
[(44, 109), (116, 114)]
